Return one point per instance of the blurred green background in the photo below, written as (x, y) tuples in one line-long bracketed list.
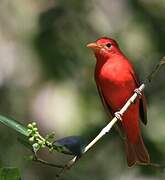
[(46, 75)]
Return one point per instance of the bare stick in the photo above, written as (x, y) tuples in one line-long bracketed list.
[(47, 163), (108, 127), (155, 165), (156, 69)]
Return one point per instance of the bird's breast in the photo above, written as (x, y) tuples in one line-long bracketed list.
[(117, 83), (115, 74)]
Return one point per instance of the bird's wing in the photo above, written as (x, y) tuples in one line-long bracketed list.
[(110, 113), (105, 104), (143, 103)]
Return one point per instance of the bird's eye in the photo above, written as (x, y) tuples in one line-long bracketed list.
[(108, 45)]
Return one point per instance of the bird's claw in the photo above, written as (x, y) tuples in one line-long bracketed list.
[(138, 92), (118, 115)]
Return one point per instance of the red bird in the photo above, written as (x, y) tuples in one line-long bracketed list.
[(116, 81)]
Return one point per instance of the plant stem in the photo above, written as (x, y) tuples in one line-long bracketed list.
[(36, 159)]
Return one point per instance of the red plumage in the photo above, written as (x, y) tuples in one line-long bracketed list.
[(116, 81)]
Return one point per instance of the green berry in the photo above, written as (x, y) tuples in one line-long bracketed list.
[(29, 131), (40, 142), (31, 139), (35, 135), (30, 126), (35, 129), (33, 123)]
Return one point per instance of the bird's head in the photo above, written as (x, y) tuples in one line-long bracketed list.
[(104, 47)]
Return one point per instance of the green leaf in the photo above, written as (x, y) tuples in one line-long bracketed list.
[(14, 125), (9, 174)]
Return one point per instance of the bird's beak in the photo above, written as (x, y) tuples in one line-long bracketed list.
[(93, 46)]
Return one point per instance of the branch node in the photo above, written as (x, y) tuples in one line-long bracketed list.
[(118, 115), (138, 92)]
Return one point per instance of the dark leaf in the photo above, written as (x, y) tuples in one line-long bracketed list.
[(72, 145), (9, 174), (14, 125)]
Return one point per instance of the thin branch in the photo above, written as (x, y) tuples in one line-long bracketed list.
[(155, 165), (108, 127), (156, 69), (36, 159)]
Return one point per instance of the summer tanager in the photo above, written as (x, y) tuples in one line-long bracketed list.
[(116, 81)]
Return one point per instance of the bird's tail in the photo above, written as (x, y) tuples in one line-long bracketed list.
[(136, 153)]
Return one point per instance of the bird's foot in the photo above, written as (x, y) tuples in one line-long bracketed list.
[(118, 115), (138, 92)]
